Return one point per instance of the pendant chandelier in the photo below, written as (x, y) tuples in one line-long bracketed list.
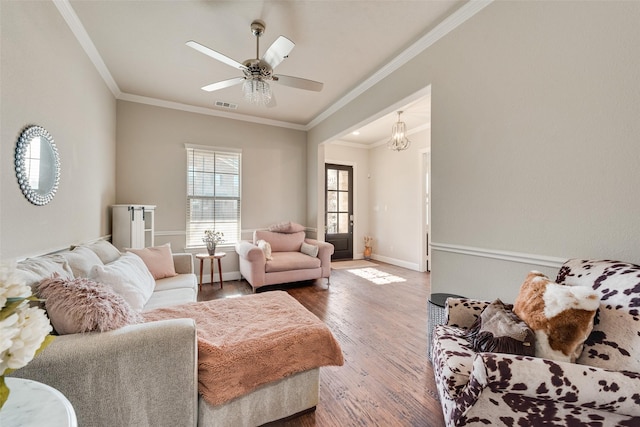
[(399, 140)]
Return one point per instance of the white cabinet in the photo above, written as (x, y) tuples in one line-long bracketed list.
[(132, 226)]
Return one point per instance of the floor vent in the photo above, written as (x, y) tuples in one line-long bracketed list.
[(228, 105)]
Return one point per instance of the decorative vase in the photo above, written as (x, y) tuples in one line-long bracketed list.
[(367, 252), (211, 248)]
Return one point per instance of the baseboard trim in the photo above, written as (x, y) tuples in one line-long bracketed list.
[(396, 262), (524, 258)]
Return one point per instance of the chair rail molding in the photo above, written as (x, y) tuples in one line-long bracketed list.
[(524, 258)]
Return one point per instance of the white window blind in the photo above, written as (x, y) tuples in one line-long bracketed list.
[(213, 194)]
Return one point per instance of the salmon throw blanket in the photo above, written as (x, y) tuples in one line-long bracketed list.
[(247, 342)]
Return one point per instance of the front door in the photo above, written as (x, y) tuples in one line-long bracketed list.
[(339, 210)]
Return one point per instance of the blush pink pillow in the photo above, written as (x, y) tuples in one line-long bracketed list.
[(158, 260), (81, 305)]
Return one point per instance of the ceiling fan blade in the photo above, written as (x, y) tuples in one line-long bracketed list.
[(298, 83), (278, 51), (223, 84), (215, 55)]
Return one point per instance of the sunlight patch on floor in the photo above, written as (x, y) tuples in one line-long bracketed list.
[(376, 276)]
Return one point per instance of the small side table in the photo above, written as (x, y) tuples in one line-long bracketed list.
[(437, 313), (218, 256), (33, 404)]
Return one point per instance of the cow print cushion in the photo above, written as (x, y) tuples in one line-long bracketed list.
[(614, 342), (500, 330)]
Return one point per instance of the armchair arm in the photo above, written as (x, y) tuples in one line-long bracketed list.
[(569, 383), (183, 263), (325, 250), (143, 375), (462, 312), (250, 252)]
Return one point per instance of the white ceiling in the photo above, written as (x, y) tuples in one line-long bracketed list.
[(339, 43)]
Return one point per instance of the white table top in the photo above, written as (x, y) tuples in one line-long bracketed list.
[(33, 404)]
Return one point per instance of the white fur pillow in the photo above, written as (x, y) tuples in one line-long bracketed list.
[(266, 248), (81, 305), (560, 316), (129, 277), (81, 260)]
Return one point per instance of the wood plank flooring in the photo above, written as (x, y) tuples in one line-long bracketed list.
[(387, 379)]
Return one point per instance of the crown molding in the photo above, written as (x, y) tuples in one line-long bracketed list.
[(72, 20), (207, 111), (445, 27)]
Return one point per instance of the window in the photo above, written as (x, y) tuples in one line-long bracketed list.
[(213, 194)]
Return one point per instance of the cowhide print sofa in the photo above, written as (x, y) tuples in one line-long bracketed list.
[(601, 389)]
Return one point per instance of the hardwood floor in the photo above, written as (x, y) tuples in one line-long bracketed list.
[(387, 379)]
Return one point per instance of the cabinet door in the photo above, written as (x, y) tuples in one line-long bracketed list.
[(137, 228)]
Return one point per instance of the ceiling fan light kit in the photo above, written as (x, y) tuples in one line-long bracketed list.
[(258, 72), (399, 140)]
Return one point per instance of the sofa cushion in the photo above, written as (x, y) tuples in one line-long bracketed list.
[(280, 242), (158, 260), (561, 316), (169, 297), (500, 330), (287, 261), (614, 342), (81, 305), (187, 280), (35, 270), (129, 277), (105, 251), (81, 259)]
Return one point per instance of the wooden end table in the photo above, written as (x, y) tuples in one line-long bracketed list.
[(218, 256)]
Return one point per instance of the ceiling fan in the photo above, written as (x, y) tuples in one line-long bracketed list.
[(258, 72)]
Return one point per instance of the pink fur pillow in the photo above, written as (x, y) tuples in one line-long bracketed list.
[(560, 316), (81, 305)]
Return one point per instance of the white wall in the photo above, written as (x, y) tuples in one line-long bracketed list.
[(396, 202), (47, 79), (535, 134), (151, 168)]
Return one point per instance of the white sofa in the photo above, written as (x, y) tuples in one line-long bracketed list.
[(147, 374)]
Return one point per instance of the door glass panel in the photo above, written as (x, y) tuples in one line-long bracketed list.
[(343, 182), (344, 202), (332, 179), (332, 201), (332, 223), (343, 223)]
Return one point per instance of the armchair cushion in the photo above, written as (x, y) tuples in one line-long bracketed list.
[(285, 261), (286, 227), (280, 242)]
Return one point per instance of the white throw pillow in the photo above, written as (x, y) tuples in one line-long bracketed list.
[(129, 277), (311, 250), (266, 248), (81, 260)]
